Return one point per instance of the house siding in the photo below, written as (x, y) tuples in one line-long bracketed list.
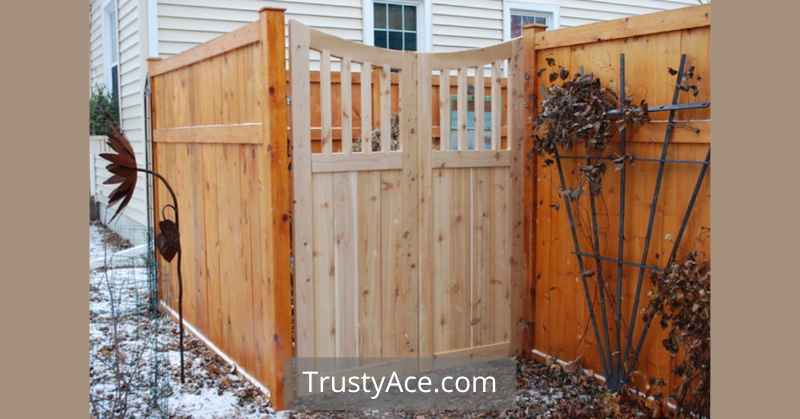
[(183, 24), (131, 27), (455, 24), (96, 72)]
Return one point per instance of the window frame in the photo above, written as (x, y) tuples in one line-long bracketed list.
[(110, 59), (423, 21), (522, 7)]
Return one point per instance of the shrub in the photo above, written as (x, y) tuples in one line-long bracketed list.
[(103, 111)]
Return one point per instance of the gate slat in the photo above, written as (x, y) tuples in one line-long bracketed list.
[(346, 262), (324, 282), (426, 238), (461, 107), (444, 109), (386, 108), (410, 215), (366, 107), (496, 107), (325, 99), (301, 166), (369, 265), (346, 83), (516, 133)]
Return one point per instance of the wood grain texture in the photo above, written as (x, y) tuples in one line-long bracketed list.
[(421, 251), (561, 317)]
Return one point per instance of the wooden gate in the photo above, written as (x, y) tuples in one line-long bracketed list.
[(407, 234)]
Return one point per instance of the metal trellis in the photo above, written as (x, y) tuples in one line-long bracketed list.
[(620, 363)]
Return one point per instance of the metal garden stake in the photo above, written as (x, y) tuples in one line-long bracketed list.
[(125, 173)]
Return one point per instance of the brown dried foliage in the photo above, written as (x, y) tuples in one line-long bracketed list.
[(681, 298), (577, 110)]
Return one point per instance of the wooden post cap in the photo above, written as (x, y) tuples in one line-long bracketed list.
[(272, 9), (537, 27)]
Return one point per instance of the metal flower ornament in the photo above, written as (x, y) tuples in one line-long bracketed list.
[(124, 172)]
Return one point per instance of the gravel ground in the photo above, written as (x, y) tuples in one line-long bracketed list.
[(134, 365), (134, 370)]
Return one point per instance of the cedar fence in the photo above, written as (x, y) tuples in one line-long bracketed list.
[(219, 131)]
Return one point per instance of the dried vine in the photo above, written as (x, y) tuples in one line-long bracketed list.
[(681, 298), (577, 111)]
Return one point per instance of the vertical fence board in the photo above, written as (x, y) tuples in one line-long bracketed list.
[(366, 107), (386, 108), (301, 167), (325, 99), (324, 270), (369, 244), (346, 107), (345, 259)]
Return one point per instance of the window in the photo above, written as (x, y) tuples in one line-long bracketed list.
[(517, 14), (395, 26), (522, 18), (111, 49)]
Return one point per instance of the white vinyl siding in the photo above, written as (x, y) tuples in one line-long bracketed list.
[(183, 24), (460, 24), (96, 72), (455, 24)]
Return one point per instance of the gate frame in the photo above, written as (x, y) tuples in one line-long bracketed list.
[(418, 68)]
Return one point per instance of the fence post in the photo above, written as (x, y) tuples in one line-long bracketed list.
[(277, 209), (529, 183)]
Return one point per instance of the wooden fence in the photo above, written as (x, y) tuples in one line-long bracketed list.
[(651, 44), (220, 119)]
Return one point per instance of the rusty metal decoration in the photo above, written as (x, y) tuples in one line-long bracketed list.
[(167, 241), (125, 173)]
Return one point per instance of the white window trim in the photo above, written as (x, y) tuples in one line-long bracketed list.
[(423, 22), (108, 60), (525, 6), (152, 28)]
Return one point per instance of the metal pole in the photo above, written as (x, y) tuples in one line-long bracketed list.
[(653, 205), (612, 384), (567, 204), (634, 159), (697, 186), (623, 134)]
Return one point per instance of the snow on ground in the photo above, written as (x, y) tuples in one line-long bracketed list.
[(134, 363), (134, 358)]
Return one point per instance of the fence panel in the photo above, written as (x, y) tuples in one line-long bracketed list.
[(219, 136), (651, 44)]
